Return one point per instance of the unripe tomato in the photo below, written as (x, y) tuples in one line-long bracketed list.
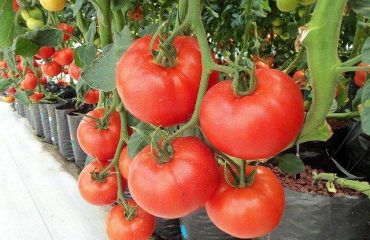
[(67, 29), (36, 97), (51, 69), (29, 82), (53, 5), (286, 5), (64, 56), (25, 15), (35, 13), (92, 97), (74, 71), (45, 52), (307, 2), (360, 76), (277, 30), (34, 24), (277, 22), (301, 12)]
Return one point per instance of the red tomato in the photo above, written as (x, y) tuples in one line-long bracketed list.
[(43, 80), (99, 143), (360, 76), (166, 96), (299, 78), (74, 71), (68, 29), (64, 56), (45, 52), (3, 65), (185, 183), (18, 58), (29, 82), (249, 212), (98, 192), (36, 96), (92, 97), (261, 65), (5, 75), (62, 82), (139, 228), (15, 6), (124, 163), (257, 126), (12, 91), (51, 69)]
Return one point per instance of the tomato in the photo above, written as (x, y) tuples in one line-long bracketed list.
[(360, 76), (43, 80), (137, 15), (3, 65), (74, 71), (307, 2), (286, 5), (95, 191), (36, 96), (8, 99), (67, 29), (139, 228), (51, 69), (96, 142), (29, 82), (34, 24), (257, 126), (277, 22), (15, 6), (262, 65), (299, 78), (64, 56), (124, 163), (53, 5), (249, 212), (18, 58), (12, 91), (45, 52), (92, 97), (166, 96), (5, 75), (185, 183), (62, 82), (277, 30)]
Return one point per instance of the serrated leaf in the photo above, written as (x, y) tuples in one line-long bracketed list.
[(290, 163), (6, 25), (361, 7), (365, 51), (102, 74), (22, 97), (10, 59), (4, 84), (25, 47), (48, 37), (365, 101), (84, 55)]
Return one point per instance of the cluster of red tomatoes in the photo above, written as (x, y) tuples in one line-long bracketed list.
[(252, 127)]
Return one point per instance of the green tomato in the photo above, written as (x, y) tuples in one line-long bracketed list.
[(25, 15), (35, 13), (34, 24), (285, 36), (277, 30), (277, 22), (307, 2), (301, 12), (286, 5), (97, 43)]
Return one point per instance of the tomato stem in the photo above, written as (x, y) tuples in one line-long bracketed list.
[(294, 63), (105, 32), (352, 62), (352, 69), (346, 115)]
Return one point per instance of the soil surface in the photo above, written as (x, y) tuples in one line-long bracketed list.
[(303, 182)]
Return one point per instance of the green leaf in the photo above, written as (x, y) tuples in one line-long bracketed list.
[(22, 97), (149, 30), (323, 133), (365, 51), (6, 25), (89, 159), (25, 47), (290, 163), (102, 74), (4, 84), (84, 55), (10, 59), (357, 100), (91, 32), (48, 37), (361, 7), (77, 7), (135, 144), (365, 100)]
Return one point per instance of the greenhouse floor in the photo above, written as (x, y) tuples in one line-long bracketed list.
[(39, 199)]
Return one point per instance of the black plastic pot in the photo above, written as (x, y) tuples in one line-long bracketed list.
[(79, 155), (36, 119), (168, 229), (198, 226), (45, 122), (64, 138), (309, 216), (53, 122)]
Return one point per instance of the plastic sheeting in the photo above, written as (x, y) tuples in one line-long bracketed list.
[(36, 119), (53, 122), (79, 155), (64, 138), (45, 122)]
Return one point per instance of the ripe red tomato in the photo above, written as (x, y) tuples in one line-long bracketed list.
[(98, 192), (45, 52), (166, 96), (92, 97), (139, 228), (261, 65), (36, 96), (124, 163), (3, 65), (249, 212), (257, 126), (5, 75), (51, 69), (299, 78), (29, 82), (18, 58), (62, 82), (12, 91), (360, 76), (64, 56), (186, 182), (74, 71), (15, 6), (67, 29), (99, 143), (43, 80)]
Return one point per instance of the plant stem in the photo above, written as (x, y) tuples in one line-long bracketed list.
[(352, 69), (348, 115), (363, 187), (105, 22), (80, 22), (293, 64)]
